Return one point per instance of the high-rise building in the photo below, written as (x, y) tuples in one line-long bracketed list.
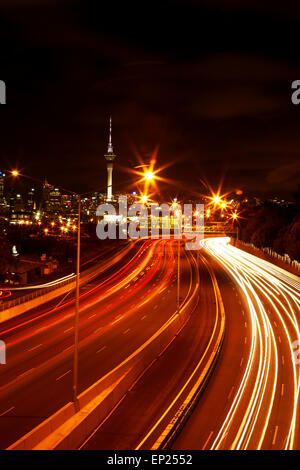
[(2, 185), (55, 201), (30, 200), (109, 156), (45, 195)]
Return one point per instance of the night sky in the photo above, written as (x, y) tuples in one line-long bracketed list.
[(207, 83)]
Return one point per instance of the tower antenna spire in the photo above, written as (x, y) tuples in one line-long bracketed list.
[(109, 156), (110, 147)]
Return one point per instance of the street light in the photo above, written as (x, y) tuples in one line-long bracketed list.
[(144, 198), (216, 199), (149, 176)]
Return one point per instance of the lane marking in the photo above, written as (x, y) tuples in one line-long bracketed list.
[(69, 329), (126, 331), (275, 435), (35, 347), (242, 360), (61, 376), (206, 442), (118, 318), (282, 360), (91, 316), (282, 389), (26, 372), (7, 411), (101, 349), (230, 393), (99, 329), (143, 317)]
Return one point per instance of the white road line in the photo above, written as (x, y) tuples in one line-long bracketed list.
[(35, 347), (275, 435), (7, 411), (99, 329), (282, 389), (118, 318), (91, 316), (61, 376), (26, 372), (69, 329), (126, 331), (230, 393), (101, 349), (206, 442), (143, 317)]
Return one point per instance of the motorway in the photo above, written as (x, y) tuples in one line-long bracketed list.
[(118, 313), (153, 402), (252, 399)]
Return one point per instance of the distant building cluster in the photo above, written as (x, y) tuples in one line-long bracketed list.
[(47, 203)]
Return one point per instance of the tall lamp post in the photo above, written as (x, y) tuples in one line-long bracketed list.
[(76, 319), (178, 276)]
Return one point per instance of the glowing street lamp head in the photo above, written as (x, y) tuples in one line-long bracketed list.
[(216, 199), (15, 173), (144, 199), (234, 216), (149, 176)]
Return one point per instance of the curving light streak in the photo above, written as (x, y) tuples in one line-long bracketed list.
[(269, 292), (153, 265), (46, 284)]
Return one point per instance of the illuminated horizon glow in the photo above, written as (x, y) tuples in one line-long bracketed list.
[(260, 282)]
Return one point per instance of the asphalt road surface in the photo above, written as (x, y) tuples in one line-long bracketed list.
[(118, 313), (252, 399)]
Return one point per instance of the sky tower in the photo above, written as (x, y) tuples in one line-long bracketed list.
[(109, 156)]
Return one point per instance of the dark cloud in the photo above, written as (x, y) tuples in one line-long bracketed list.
[(208, 83)]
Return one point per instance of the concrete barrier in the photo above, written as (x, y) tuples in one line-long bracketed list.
[(69, 427), (170, 433)]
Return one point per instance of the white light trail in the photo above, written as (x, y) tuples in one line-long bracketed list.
[(269, 293)]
